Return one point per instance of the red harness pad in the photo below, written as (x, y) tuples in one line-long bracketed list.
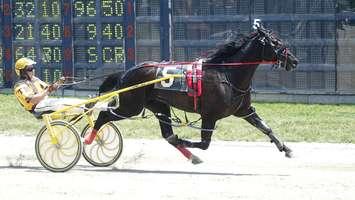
[(194, 80), (190, 83)]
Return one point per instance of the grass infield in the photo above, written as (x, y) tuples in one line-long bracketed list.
[(292, 122)]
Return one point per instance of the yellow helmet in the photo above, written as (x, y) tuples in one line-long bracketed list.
[(22, 63)]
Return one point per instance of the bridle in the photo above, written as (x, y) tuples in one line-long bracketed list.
[(279, 49)]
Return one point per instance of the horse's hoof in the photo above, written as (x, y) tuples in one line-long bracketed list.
[(288, 152), (195, 160)]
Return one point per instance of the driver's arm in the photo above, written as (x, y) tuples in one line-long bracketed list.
[(35, 99)]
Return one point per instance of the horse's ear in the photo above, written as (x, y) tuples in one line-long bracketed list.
[(258, 25)]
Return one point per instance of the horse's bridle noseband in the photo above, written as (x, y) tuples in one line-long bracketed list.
[(279, 49)]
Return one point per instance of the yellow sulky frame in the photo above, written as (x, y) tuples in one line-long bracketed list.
[(54, 154)]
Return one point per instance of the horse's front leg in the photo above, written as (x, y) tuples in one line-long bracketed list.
[(256, 121), (208, 126)]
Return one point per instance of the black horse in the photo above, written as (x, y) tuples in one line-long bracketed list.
[(227, 77)]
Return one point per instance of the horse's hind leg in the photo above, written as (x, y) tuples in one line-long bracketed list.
[(162, 113), (127, 108), (256, 121)]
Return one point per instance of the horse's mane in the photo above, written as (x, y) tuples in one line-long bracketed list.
[(229, 47)]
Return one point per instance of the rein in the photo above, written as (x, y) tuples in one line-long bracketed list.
[(76, 81), (73, 81), (234, 64)]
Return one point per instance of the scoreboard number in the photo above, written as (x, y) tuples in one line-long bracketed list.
[(23, 31), (84, 8), (91, 31), (50, 32), (24, 51), (92, 55), (51, 54), (23, 8), (38, 33), (50, 8), (112, 31), (111, 8)]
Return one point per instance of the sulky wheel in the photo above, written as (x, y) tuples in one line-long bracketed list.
[(107, 146), (62, 153)]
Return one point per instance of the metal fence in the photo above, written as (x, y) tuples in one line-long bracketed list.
[(320, 32)]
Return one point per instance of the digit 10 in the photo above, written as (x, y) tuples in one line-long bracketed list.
[(53, 8), (57, 74), (46, 75)]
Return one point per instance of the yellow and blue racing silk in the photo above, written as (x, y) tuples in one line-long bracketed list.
[(25, 89)]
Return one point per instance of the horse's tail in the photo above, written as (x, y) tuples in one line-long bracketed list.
[(112, 82), (116, 80)]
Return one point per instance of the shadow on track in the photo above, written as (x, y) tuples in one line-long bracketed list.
[(84, 168), (142, 171)]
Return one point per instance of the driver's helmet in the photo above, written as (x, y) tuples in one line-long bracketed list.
[(22, 63)]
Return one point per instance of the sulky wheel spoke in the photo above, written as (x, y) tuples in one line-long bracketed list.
[(46, 153), (54, 164), (71, 153), (98, 155), (101, 156), (93, 147), (61, 160), (108, 156), (69, 145), (111, 148), (102, 134), (64, 154), (108, 136), (107, 147), (45, 144)]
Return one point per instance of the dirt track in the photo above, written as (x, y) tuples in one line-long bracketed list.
[(151, 169)]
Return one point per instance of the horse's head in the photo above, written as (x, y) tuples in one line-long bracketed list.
[(261, 45), (275, 49)]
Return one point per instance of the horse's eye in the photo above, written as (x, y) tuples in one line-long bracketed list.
[(275, 43), (262, 40)]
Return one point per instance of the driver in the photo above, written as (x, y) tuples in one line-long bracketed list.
[(32, 93)]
